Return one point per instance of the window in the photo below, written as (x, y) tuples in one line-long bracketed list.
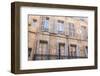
[(60, 26), (34, 22), (43, 47), (62, 53), (71, 29), (72, 51), (29, 52), (84, 34), (45, 24), (42, 53)]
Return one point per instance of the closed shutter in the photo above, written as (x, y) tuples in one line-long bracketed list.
[(67, 29), (78, 51), (56, 27), (66, 49)]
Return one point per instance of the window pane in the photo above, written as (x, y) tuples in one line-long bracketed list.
[(60, 26), (45, 24)]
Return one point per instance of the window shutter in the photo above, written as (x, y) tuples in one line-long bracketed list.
[(66, 49), (78, 51), (67, 29), (56, 27), (51, 27)]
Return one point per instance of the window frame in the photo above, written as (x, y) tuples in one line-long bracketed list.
[(41, 53), (45, 24), (60, 26)]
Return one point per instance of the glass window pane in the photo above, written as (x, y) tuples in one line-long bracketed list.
[(45, 24), (60, 27)]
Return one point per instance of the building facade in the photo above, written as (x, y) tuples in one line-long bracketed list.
[(57, 37)]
